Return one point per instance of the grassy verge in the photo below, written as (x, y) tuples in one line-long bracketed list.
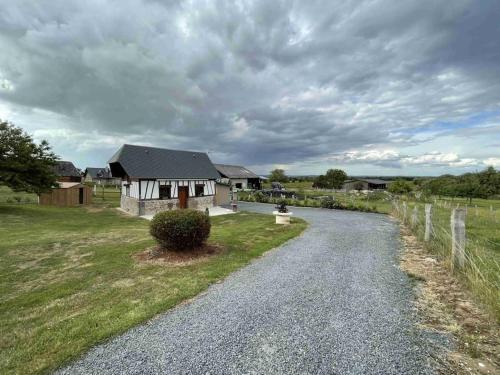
[(481, 275), (68, 279)]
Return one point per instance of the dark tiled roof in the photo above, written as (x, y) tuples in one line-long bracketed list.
[(234, 171), (66, 169), (376, 181), (152, 162), (93, 172)]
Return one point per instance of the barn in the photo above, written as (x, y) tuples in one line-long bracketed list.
[(238, 177), (367, 184), (67, 194), (157, 179)]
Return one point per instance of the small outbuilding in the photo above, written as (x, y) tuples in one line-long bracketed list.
[(67, 194), (157, 179)]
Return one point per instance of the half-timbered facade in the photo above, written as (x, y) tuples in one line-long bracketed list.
[(155, 179)]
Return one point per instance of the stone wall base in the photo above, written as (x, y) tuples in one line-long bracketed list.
[(151, 207)]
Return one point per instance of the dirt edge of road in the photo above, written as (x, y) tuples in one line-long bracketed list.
[(446, 307)]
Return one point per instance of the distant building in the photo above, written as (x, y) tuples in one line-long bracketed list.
[(100, 176), (365, 184), (67, 172), (238, 176)]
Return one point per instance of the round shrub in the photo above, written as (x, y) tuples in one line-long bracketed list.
[(180, 229)]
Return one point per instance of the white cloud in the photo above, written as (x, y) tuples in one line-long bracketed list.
[(495, 162), (394, 158)]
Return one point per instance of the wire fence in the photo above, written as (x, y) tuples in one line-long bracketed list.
[(464, 238)]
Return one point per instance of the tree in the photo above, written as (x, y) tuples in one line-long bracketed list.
[(336, 178), (468, 186), (25, 165), (400, 187), (320, 182), (489, 181), (278, 175)]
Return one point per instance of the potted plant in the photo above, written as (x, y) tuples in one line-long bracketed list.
[(282, 214)]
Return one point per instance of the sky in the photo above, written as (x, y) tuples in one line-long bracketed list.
[(375, 87)]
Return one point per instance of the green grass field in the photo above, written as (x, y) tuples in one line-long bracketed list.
[(68, 279), (482, 271)]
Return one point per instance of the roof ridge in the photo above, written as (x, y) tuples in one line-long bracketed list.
[(163, 148)]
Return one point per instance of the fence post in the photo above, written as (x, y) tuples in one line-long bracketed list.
[(414, 216), (458, 237), (428, 222), (404, 211)]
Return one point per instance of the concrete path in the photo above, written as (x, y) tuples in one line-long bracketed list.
[(332, 301)]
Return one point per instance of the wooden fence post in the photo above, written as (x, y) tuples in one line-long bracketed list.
[(414, 216), (428, 222), (458, 237), (404, 212)]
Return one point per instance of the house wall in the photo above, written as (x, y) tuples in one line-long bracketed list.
[(150, 189), (143, 198), (222, 195), (242, 181), (151, 207), (129, 205)]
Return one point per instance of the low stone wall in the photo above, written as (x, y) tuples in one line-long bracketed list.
[(151, 207), (201, 203), (130, 205), (154, 206)]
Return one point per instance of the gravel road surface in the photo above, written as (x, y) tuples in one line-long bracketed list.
[(332, 301)]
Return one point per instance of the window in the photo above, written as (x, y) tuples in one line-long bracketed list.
[(198, 190), (165, 191), (127, 190), (238, 185)]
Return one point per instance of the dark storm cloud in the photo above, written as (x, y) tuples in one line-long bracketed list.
[(256, 82)]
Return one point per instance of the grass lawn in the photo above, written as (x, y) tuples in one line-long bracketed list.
[(68, 280)]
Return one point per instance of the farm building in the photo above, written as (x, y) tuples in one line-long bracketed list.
[(100, 176), (365, 184), (67, 194), (67, 172), (239, 177), (157, 179)]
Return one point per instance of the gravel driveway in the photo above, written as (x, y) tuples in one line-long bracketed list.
[(332, 301)]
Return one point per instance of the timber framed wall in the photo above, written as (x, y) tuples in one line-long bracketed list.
[(149, 189)]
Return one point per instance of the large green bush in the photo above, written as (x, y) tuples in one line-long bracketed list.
[(180, 229)]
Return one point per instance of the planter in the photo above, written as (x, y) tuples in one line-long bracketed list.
[(282, 217)]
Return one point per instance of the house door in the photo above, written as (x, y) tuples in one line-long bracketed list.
[(183, 196), (80, 198)]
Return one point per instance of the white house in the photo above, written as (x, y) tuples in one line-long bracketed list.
[(157, 179)]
